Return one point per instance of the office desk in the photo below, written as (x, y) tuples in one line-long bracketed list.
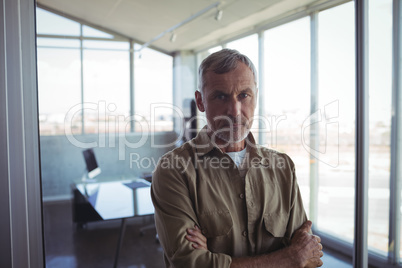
[(107, 200)]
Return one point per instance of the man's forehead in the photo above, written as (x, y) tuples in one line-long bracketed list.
[(239, 73), (239, 79), (217, 88)]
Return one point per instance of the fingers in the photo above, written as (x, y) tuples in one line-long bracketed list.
[(319, 262), (306, 227), (318, 253), (197, 233), (193, 237), (198, 230), (320, 246), (315, 261), (317, 238), (308, 245), (199, 240)]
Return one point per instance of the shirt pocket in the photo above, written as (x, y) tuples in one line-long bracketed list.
[(216, 223), (275, 223), (217, 228), (275, 229)]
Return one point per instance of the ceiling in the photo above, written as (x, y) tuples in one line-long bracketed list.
[(143, 20)]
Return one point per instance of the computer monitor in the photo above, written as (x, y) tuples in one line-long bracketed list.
[(92, 166)]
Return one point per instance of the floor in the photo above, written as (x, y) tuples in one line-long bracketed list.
[(95, 244)]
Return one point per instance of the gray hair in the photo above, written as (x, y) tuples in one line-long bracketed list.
[(221, 62)]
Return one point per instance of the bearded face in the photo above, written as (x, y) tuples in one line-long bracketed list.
[(229, 101)]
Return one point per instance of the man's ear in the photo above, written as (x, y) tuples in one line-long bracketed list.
[(198, 101)]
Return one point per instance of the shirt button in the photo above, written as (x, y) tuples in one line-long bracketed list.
[(242, 196), (244, 233), (264, 162)]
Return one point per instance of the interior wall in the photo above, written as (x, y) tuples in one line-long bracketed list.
[(123, 157)]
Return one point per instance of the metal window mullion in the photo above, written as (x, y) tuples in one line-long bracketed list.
[(82, 79), (132, 86), (314, 129), (396, 132), (360, 256), (176, 94), (261, 87), (72, 37)]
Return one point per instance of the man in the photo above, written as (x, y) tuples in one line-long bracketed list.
[(223, 201)]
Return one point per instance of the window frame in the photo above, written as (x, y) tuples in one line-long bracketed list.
[(396, 132)]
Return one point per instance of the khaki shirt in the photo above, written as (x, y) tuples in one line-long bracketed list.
[(198, 184)]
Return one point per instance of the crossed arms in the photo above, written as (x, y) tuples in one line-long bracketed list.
[(305, 250), (185, 197)]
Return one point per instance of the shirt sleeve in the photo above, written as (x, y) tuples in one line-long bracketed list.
[(297, 214), (174, 213)]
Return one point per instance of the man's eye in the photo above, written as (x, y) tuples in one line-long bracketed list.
[(244, 95), (221, 97)]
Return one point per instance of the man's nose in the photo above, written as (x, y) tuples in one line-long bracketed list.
[(234, 108)]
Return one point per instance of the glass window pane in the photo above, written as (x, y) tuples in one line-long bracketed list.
[(153, 74), (287, 94), (59, 89), (380, 86), (50, 23), (106, 91), (57, 42), (336, 173), (247, 46)]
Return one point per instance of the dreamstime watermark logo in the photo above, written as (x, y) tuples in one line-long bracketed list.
[(323, 145)]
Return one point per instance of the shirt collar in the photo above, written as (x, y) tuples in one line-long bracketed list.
[(203, 144)]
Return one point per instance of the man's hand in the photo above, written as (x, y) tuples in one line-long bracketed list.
[(307, 247), (199, 240)]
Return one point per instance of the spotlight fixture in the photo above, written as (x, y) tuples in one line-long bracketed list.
[(171, 29), (219, 14), (173, 37)]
